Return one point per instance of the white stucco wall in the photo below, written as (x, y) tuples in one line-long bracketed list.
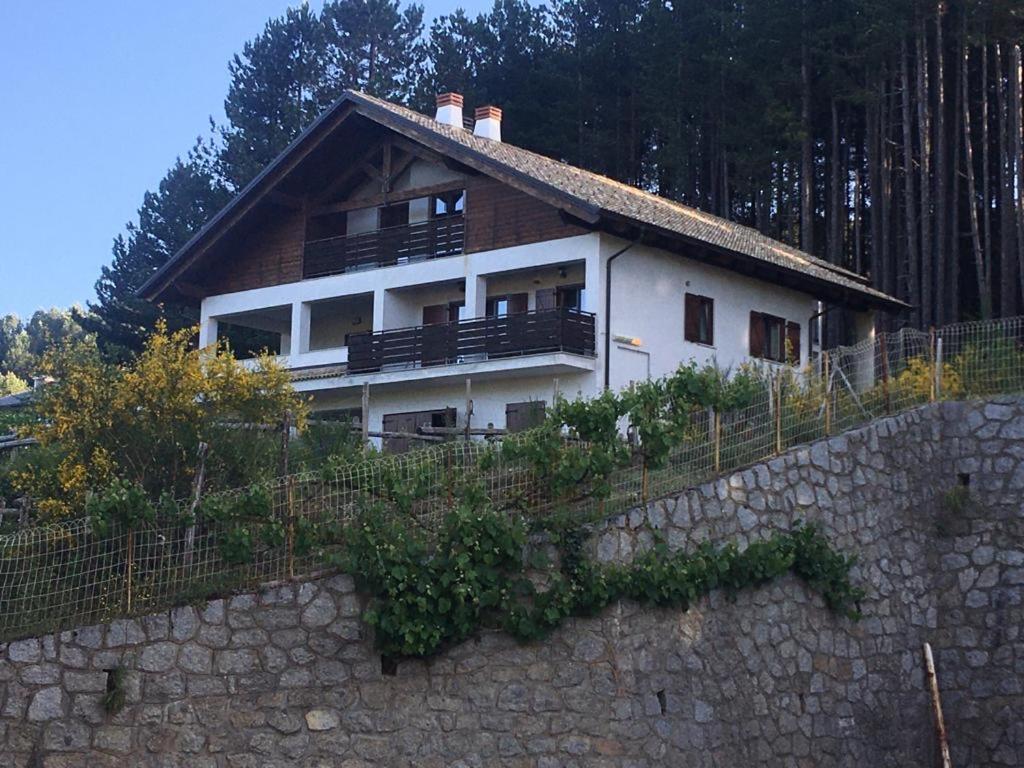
[(648, 289)]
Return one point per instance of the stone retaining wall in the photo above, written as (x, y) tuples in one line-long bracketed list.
[(288, 678)]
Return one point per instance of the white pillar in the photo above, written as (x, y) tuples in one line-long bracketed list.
[(378, 309), (476, 296), (299, 337), (207, 331)]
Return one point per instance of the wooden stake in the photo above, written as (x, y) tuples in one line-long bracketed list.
[(931, 351), (366, 414), (197, 493), (469, 407), (938, 367), (718, 441), (778, 414), (130, 570), (286, 433), (885, 372), (940, 723), (828, 395)]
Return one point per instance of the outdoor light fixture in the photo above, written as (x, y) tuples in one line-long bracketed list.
[(633, 341)]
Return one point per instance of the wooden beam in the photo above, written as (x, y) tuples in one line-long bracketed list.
[(375, 200), (346, 176)]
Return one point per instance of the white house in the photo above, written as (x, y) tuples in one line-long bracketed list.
[(408, 253)]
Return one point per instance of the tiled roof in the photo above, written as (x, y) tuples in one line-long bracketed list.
[(585, 194), (610, 196)]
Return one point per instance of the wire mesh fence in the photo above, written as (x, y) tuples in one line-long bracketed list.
[(63, 575)]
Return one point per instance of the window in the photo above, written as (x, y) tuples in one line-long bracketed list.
[(772, 338), (569, 296), (448, 204), (699, 319), (511, 304), (451, 312)]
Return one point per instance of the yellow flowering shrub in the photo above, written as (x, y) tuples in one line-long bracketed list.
[(143, 421), (917, 379)]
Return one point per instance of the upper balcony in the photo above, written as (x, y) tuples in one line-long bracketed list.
[(474, 340), (418, 241)]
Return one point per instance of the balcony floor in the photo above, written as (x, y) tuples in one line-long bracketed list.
[(543, 364)]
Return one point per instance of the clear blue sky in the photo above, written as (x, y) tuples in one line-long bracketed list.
[(98, 97)]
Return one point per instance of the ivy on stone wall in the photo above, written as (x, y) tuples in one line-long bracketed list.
[(429, 593)]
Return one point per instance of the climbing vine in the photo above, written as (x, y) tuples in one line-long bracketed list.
[(431, 593)]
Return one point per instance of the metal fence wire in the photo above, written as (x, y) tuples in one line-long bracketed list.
[(63, 575)]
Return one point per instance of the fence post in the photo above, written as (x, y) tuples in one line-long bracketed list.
[(931, 353), (938, 367), (778, 414), (828, 395), (130, 570), (718, 440), (885, 372), (366, 414), (286, 432)]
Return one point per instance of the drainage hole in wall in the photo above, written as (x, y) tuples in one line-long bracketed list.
[(964, 479), (388, 666), (661, 700)]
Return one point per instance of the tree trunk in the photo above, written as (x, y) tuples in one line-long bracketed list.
[(912, 254), (925, 145), (954, 212), (979, 262), (1007, 229), (940, 171), (807, 146), (986, 189), (1018, 157)]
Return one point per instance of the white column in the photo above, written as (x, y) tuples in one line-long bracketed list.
[(207, 331), (476, 296), (299, 337), (592, 283), (378, 309)]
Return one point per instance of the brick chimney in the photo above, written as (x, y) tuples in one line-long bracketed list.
[(449, 109), (488, 123)]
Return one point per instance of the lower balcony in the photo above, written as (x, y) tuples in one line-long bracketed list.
[(547, 331)]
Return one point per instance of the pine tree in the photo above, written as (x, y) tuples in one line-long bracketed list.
[(187, 197)]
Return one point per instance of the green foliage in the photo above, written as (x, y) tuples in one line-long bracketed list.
[(244, 522), (428, 594), (122, 504)]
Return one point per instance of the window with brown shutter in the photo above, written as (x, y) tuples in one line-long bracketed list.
[(546, 298), (768, 337), (756, 334), (699, 319), (521, 416), (512, 304), (793, 342)]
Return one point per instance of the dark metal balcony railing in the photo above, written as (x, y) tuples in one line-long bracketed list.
[(383, 247), (485, 338)]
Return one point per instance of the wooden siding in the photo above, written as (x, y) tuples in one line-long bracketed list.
[(498, 216), (271, 255)]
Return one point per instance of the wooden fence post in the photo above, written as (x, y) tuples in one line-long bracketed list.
[(778, 414), (197, 494), (931, 353), (366, 414), (286, 432), (938, 367), (718, 440), (130, 557), (469, 407), (885, 372), (828, 395)]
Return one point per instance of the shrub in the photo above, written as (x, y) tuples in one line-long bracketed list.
[(143, 422)]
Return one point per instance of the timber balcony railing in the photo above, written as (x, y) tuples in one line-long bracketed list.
[(384, 247), (485, 338)]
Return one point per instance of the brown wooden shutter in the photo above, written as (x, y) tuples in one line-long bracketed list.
[(793, 337), (435, 314), (691, 318), (520, 416), (756, 335), (711, 320), (518, 302), (546, 298)]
